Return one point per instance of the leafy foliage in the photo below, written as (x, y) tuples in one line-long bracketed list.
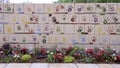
[(26, 58)]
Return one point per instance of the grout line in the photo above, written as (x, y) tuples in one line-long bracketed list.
[(30, 65)]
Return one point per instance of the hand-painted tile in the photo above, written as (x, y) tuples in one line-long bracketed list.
[(9, 28), (110, 29), (13, 38), (8, 7), (111, 7), (83, 39), (114, 40), (19, 28), (69, 8), (28, 8), (104, 39), (1, 28), (33, 38), (74, 39), (101, 7), (38, 8), (63, 39), (59, 29), (4, 38), (29, 28), (100, 29), (43, 18), (90, 7), (49, 8), (93, 39), (105, 19), (43, 39), (60, 8), (79, 7), (79, 29), (18, 8), (54, 18), (1, 7), (48, 29), (73, 18), (94, 18), (23, 19), (4, 18), (38, 29), (33, 18), (13, 18), (89, 29), (117, 29), (69, 29), (63, 18), (52, 39), (23, 38), (83, 18)]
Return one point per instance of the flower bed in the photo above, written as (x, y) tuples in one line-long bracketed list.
[(15, 54)]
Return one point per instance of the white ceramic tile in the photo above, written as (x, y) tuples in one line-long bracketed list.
[(62, 66), (1, 7), (13, 18), (63, 39), (54, 18), (83, 18), (79, 29), (90, 7), (29, 28), (9, 28), (8, 7), (18, 65), (23, 18), (52, 39), (33, 38), (110, 29), (69, 29), (59, 29), (94, 18), (38, 29), (73, 18), (13, 38), (4, 38), (48, 28), (90, 29), (39, 65), (63, 18), (116, 65), (43, 18), (3, 65), (1, 28), (101, 7), (111, 7), (33, 18), (19, 28), (4, 18)]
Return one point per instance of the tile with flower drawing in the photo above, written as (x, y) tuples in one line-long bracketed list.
[(9, 28), (63, 18), (94, 18), (19, 28), (43, 18), (23, 38), (29, 28), (73, 18), (49, 8), (13, 38), (90, 7), (33, 38), (4, 38), (89, 29), (83, 18), (53, 39), (79, 29), (33, 18), (59, 29), (59, 8), (63, 39), (38, 29), (8, 7), (100, 29), (69, 8), (111, 7), (54, 18), (110, 29), (101, 7), (13, 18), (104, 39), (4, 18)]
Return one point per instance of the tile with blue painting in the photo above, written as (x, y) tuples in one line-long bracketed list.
[(19, 8), (4, 18), (13, 38), (48, 29), (39, 29), (43, 18), (33, 38), (111, 7), (1, 28), (79, 7), (83, 39), (94, 18), (38, 8), (69, 8), (74, 39)]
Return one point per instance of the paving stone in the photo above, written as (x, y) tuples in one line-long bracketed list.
[(18, 65), (2, 65), (87, 66), (116, 65), (105, 65), (39, 65)]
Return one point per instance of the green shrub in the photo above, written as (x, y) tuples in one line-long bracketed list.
[(26, 58), (68, 59)]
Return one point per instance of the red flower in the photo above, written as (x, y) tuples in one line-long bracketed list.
[(58, 56), (89, 51)]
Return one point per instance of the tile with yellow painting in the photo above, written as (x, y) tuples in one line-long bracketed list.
[(100, 29), (52, 39), (14, 18), (28, 8), (49, 8), (63, 39), (23, 18), (9, 28)]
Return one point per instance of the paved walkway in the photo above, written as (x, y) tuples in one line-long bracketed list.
[(60, 65)]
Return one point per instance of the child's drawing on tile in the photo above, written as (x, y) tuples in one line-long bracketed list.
[(43, 39), (59, 29), (29, 28), (28, 8), (63, 39), (1, 28), (105, 19), (100, 29), (8, 7), (54, 18), (19, 28), (24, 38), (74, 39), (59, 8), (93, 39), (33, 38), (1, 7), (69, 8), (14, 18), (44, 18), (38, 8), (52, 39), (9, 28), (89, 29), (49, 8), (38, 28), (101, 7), (80, 8), (13, 38), (63, 18), (90, 7), (114, 39), (111, 29), (94, 18), (4, 18), (23, 19), (111, 7), (79, 29), (83, 39), (118, 8), (117, 29), (18, 8), (34, 19), (104, 39), (114, 18), (83, 18), (73, 18), (48, 29), (4, 38)]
